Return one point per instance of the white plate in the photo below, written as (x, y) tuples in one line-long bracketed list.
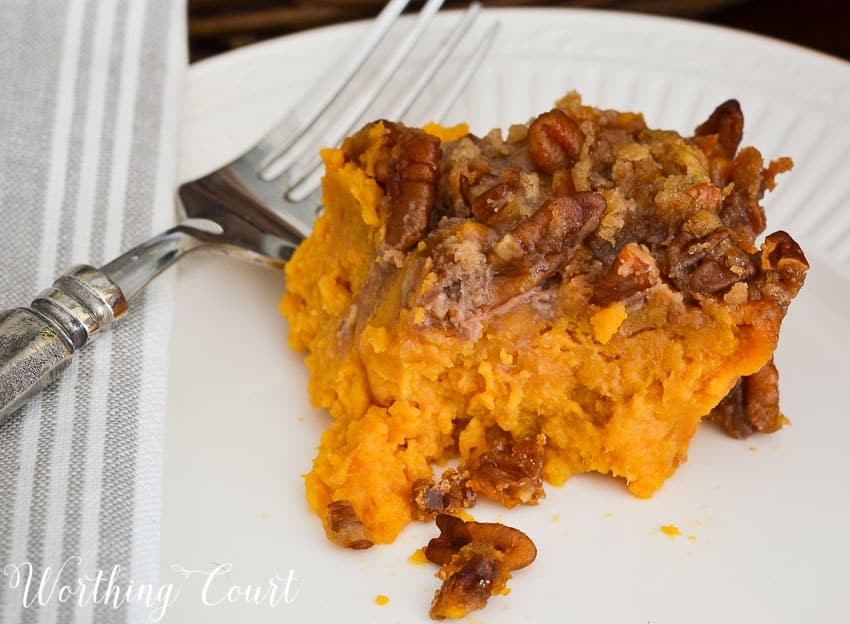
[(764, 521)]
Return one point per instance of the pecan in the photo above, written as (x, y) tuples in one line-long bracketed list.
[(518, 549), (752, 406), (708, 265), (781, 253), (510, 472), (562, 183), (783, 266), (411, 186), (474, 574), (406, 163), (711, 277), (489, 203), (458, 179), (345, 528), (450, 494), (554, 141), (536, 248), (632, 271), (727, 122)]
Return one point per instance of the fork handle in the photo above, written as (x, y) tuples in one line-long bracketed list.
[(38, 342)]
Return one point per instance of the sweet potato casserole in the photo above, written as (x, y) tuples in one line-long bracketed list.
[(573, 295)]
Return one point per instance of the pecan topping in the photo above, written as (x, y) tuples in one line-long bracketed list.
[(456, 185), (411, 186), (537, 247), (345, 528), (554, 141), (709, 265), (450, 494), (518, 549), (741, 210), (781, 253), (711, 277), (510, 472), (706, 196), (632, 271), (489, 203), (562, 183), (752, 406), (784, 267), (727, 122)]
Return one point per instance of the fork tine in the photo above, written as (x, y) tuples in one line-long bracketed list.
[(305, 185), (332, 131), (447, 47), (301, 117), (452, 94)]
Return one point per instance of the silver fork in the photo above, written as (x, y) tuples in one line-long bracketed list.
[(245, 209)]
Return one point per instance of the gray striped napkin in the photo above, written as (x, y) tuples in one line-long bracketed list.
[(88, 111)]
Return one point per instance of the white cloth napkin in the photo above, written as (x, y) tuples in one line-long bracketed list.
[(89, 94)]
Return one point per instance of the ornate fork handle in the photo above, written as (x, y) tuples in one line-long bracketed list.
[(38, 343)]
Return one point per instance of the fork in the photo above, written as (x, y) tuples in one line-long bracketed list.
[(259, 207)]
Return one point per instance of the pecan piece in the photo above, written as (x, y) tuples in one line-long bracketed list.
[(554, 141), (632, 270), (489, 203), (752, 406), (781, 253), (783, 268), (536, 248), (727, 122), (511, 472), (473, 575), (411, 186), (450, 494), (518, 549), (708, 265), (345, 528), (476, 560), (562, 182), (711, 277), (456, 184)]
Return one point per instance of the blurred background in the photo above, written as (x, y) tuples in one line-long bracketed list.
[(216, 26)]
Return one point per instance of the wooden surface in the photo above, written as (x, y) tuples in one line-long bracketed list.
[(216, 26)]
